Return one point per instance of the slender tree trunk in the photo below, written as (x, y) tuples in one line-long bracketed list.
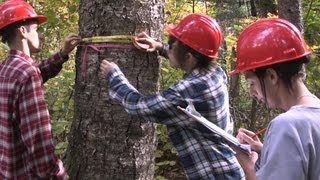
[(253, 8), (227, 16), (105, 142), (266, 6), (234, 83), (253, 113), (291, 10)]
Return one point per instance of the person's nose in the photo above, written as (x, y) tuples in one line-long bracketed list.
[(253, 93), (41, 36)]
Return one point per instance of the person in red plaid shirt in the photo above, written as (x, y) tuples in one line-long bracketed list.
[(26, 142)]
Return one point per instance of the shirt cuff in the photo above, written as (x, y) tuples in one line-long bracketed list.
[(164, 51), (115, 72), (62, 59)]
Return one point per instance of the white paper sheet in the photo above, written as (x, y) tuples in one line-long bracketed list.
[(191, 112)]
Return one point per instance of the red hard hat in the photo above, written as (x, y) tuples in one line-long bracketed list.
[(200, 32), (17, 10), (269, 41)]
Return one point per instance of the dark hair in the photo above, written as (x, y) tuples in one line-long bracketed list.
[(182, 50), (9, 32), (287, 71)]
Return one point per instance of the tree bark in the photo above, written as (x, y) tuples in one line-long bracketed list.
[(291, 10), (266, 6), (253, 8), (105, 142)]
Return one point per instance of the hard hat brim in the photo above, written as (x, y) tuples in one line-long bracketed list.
[(41, 19)]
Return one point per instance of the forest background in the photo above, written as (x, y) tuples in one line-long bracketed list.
[(233, 16)]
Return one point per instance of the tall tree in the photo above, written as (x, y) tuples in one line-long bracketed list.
[(291, 10), (228, 15), (261, 8), (266, 6), (105, 142)]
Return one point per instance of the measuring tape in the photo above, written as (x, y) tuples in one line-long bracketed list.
[(109, 39), (98, 42)]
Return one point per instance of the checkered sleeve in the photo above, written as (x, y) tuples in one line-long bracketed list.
[(155, 108), (52, 66), (36, 130)]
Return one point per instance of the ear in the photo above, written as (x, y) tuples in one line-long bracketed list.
[(188, 56), (22, 31), (190, 59), (272, 76)]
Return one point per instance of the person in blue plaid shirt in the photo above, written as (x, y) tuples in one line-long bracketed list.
[(193, 46)]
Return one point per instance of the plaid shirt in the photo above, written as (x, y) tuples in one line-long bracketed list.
[(26, 144), (202, 153)]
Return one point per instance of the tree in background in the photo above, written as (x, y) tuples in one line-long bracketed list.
[(105, 142), (291, 10)]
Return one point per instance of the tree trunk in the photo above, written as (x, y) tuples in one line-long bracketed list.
[(253, 8), (266, 6), (291, 10), (227, 16), (105, 142)]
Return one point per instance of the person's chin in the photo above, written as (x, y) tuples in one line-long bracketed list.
[(173, 65), (260, 100), (271, 105), (35, 50)]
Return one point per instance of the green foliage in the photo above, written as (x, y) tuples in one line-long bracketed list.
[(166, 155), (62, 20), (59, 96), (313, 75), (311, 9), (169, 75), (177, 9), (3, 51), (312, 34)]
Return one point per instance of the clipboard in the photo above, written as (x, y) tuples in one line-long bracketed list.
[(191, 112)]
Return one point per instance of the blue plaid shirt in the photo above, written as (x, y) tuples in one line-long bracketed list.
[(202, 153)]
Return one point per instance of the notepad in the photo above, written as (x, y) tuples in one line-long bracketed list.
[(191, 112)]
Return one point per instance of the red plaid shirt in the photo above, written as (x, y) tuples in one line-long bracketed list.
[(26, 143)]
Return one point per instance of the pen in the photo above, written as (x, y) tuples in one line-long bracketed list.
[(259, 132)]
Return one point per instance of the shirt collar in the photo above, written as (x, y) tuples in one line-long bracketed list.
[(20, 54), (197, 71)]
